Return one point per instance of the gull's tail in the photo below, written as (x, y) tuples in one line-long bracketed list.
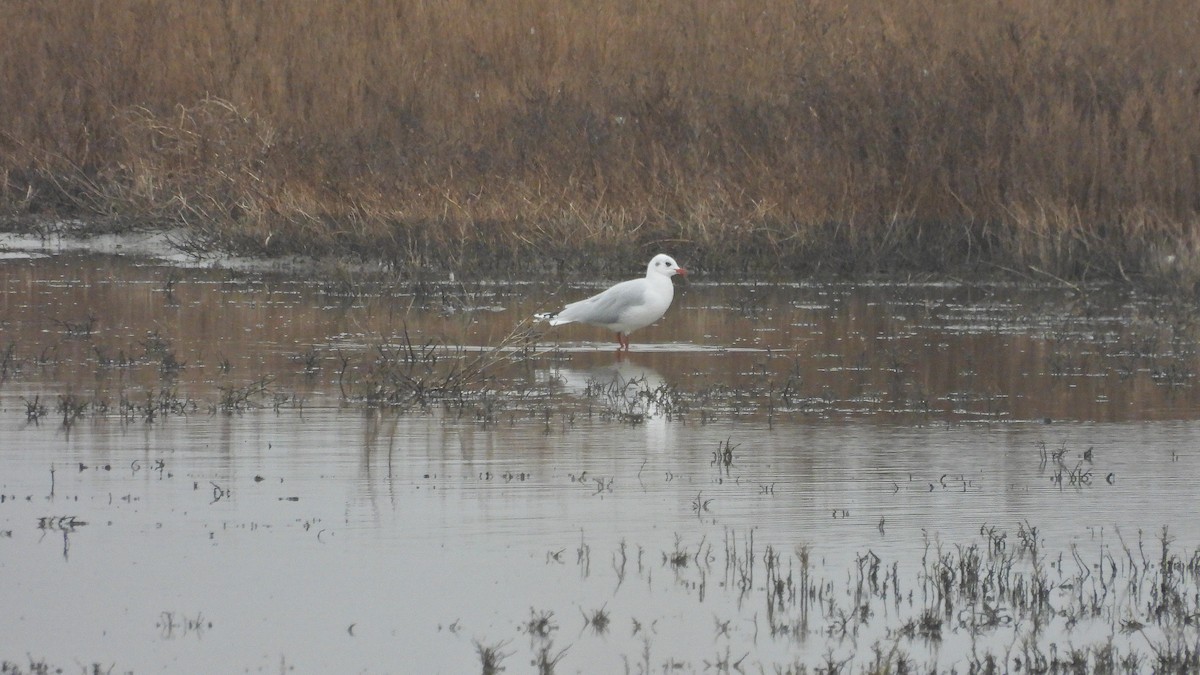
[(552, 317)]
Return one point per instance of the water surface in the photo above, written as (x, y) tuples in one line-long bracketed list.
[(195, 475)]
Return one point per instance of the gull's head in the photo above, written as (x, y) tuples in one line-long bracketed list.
[(666, 266)]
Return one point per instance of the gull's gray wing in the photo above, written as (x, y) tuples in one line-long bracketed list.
[(606, 308)]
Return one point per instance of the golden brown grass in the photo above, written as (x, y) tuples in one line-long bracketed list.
[(848, 135)]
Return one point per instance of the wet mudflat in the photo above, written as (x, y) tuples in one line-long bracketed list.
[(207, 470)]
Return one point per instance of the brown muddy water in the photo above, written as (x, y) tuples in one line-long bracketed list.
[(205, 470)]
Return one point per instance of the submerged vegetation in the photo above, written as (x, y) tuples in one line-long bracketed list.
[(781, 136), (1003, 602), (471, 350)]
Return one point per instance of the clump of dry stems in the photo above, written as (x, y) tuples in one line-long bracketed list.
[(800, 136)]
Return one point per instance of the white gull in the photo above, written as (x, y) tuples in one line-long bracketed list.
[(629, 305)]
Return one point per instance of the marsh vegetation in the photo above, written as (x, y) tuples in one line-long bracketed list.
[(784, 137)]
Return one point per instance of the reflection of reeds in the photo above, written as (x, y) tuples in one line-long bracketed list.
[(635, 399), (421, 373)]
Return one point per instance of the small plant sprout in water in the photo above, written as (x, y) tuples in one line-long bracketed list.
[(237, 399), (310, 359), (540, 624), (491, 656), (34, 409), (677, 558), (723, 455), (71, 407), (168, 288), (78, 329), (8, 361), (597, 619), (546, 660)]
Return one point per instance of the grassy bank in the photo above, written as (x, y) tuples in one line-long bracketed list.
[(847, 136)]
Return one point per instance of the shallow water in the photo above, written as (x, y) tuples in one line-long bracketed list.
[(150, 521)]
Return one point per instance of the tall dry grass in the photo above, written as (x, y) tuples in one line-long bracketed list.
[(847, 135)]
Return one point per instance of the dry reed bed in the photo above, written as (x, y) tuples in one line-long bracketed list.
[(851, 136)]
